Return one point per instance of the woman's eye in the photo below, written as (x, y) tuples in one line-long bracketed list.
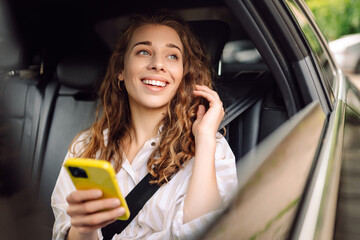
[(143, 52), (173, 57)]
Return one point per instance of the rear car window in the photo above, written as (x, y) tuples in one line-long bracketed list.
[(321, 56)]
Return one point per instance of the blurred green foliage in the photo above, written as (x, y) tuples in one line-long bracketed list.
[(336, 17)]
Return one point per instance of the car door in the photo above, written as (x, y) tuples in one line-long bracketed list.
[(288, 184)]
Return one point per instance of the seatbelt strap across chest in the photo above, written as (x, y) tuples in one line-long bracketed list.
[(136, 199)]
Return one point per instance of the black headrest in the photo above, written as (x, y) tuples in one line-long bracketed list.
[(214, 34), (81, 72), (12, 55)]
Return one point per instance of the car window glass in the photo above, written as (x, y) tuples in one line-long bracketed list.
[(240, 51), (241, 55), (321, 56)]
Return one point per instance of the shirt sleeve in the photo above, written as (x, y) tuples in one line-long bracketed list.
[(63, 187), (227, 184)]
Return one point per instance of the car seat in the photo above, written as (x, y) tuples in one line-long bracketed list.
[(20, 88)]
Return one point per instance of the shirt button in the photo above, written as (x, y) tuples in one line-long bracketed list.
[(153, 144)]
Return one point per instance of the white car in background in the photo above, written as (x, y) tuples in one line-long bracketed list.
[(346, 51)]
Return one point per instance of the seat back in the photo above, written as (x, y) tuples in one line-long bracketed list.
[(263, 116), (20, 90), (71, 109)]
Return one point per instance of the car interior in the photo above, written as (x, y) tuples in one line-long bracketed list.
[(49, 76)]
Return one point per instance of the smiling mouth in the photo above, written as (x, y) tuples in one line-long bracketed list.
[(154, 83)]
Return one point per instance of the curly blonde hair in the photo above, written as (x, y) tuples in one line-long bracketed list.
[(177, 145)]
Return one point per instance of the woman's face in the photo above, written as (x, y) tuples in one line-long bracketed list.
[(153, 66)]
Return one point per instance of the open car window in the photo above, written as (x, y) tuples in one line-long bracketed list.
[(322, 57)]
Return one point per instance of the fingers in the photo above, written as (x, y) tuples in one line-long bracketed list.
[(97, 219), (200, 112), (208, 94), (83, 195), (88, 211), (205, 89), (92, 206), (207, 122), (86, 229)]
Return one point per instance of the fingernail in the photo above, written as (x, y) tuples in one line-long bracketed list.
[(98, 193), (120, 211), (116, 202)]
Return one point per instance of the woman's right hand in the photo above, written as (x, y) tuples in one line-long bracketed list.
[(89, 212)]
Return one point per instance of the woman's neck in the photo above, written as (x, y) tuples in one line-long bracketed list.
[(144, 126)]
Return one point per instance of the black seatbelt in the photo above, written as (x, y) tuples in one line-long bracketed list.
[(238, 107), (136, 199)]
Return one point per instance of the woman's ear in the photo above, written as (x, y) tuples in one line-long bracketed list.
[(120, 77), (185, 69)]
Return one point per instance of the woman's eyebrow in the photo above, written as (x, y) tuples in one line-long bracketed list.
[(171, 45), (148, 43)]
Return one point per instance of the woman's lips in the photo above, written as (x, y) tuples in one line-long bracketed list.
[(154, 81)]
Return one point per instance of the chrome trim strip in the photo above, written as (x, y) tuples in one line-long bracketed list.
[(342, 86), (320, 213)]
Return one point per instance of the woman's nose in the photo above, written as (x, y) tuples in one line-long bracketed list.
[(157, 64)]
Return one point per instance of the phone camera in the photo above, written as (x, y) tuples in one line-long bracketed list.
[(78, 172)]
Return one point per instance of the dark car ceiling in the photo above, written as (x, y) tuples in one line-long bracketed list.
[(67, 25), (68, 12)]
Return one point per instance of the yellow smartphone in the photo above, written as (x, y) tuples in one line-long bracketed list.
[(92, 173)]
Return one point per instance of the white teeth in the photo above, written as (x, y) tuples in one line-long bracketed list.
[(154, 83)]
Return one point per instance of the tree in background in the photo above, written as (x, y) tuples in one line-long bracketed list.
[(336, 17)]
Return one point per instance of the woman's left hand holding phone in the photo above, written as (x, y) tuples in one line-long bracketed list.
[(88, 212)]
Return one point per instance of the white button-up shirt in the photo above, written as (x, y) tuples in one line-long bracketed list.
[(162, 216)]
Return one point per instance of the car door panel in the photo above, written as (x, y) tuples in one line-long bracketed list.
[(272, 179)]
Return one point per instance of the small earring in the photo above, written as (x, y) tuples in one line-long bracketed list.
[(120, 86)]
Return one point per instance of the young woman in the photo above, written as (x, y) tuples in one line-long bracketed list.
[(153, 121)]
